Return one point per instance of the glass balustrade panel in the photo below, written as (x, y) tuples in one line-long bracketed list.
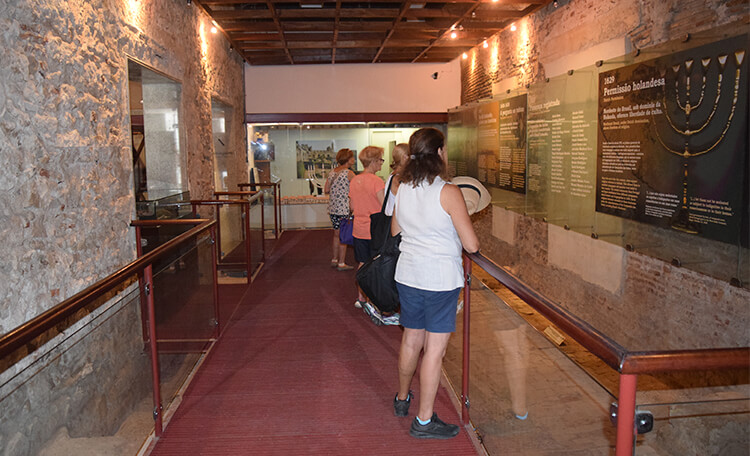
[(257, 241), (186, 315), (87, 389), (526, 396)]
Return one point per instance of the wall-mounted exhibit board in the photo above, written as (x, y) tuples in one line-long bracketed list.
[(673, 140), (648, 151)]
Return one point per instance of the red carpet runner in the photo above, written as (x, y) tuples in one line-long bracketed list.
[(300, 371)]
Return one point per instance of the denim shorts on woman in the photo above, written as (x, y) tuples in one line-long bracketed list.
[(433, 311)]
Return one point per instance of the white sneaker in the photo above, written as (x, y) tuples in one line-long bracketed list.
[(373, 313), (394, 319)]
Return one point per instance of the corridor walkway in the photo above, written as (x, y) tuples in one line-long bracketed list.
[(300, 371)]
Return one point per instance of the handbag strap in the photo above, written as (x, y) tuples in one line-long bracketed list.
[(387, 192)]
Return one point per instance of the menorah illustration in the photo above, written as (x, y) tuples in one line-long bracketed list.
[(685, 130), (317, 173)]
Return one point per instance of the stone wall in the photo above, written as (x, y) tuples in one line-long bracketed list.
[(67, 191), (554, 34), (65, 159)]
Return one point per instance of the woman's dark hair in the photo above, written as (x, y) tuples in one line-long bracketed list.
[(424, 162)]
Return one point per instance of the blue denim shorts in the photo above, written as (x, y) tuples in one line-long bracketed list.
[(433, 311)]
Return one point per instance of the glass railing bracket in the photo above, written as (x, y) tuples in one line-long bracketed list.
[(644, 420)]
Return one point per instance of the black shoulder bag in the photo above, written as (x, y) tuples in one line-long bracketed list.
[(380, 224), (376, 276)]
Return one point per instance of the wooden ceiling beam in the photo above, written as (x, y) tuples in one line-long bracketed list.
[(275, 35), (231, 15), (250, 27), (280, 29), (353, 30), (336, 31), (455, 24), (325, 13), (405, 7), (430, 14)]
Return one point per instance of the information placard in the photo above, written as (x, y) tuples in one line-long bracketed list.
[(511, 157), (672, 145)]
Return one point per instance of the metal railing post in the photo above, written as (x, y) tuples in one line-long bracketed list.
[(218, 230), (248, 247), (141, 288), (263, 228), (149, 279), (276, 207), (626, 415), (215, 268), (277, 204), (466, 343)]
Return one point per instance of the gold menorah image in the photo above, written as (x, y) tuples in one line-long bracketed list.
[(686, 129)]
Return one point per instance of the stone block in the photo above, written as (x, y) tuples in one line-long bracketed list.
[(504, 224), (596, 262)]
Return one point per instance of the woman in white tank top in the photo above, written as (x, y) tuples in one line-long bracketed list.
[(434, 224)]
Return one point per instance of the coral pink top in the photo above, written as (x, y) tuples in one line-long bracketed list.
[(363, 200)]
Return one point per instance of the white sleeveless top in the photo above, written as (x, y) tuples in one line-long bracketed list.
[(390, 201), (430, 248)]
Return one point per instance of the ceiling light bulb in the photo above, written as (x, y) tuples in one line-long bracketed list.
[(453, 35), (465, 56), (485, 44), (513, 27)]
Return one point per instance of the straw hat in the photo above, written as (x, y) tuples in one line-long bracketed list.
[(475, 194)]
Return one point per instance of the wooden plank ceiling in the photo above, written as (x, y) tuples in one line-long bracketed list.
[(278, 32)]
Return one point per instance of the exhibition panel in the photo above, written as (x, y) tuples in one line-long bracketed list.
[(648, 152)]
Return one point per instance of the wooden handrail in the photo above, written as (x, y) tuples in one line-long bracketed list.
[(218, 202), (617, 357), (254, 195), (42, 323), (237, 193), (167, 222), (682, 360), (259, 184)]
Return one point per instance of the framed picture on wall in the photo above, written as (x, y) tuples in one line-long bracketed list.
[(315, 157)]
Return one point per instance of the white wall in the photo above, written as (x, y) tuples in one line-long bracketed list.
[(382, 87)]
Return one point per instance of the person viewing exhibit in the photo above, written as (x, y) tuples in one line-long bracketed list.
[(398, 162), (366, 196), (380, 231), (435, 227), (337, 187)]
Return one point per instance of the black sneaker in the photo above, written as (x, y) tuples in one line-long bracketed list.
[(401, 408), (435, 429)]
